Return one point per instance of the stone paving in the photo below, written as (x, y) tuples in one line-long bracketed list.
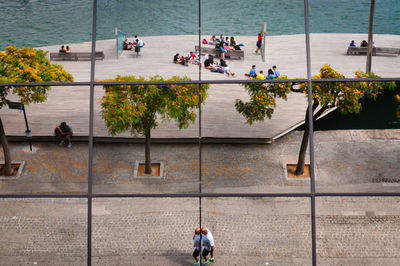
[(253, 231), (351, 161)]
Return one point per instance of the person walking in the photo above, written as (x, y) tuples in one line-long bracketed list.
[(208, 245), (197, 246), (259, 42)]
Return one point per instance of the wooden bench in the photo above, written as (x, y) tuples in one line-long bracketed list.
[(375, 51), (75, 56), (231, 53)]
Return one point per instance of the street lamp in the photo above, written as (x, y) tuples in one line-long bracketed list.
[(21, 107)]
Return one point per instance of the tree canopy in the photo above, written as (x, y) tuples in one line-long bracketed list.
[(135, 107), (28, 65)]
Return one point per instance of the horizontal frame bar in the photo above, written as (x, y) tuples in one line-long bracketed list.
[(243, 81)]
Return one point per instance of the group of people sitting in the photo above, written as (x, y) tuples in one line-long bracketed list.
[(136, 44), (223, 44), (272, 73), (364, 43), (64, 50), (213, 66), (191, 58)]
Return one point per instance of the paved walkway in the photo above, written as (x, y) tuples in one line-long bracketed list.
[(362, 231), (354, 160)]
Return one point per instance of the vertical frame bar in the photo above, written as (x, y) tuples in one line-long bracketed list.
[(200, 139), (91, 113), (311, 135)]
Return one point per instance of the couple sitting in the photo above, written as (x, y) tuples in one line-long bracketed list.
[(64, 51), (215, 67)]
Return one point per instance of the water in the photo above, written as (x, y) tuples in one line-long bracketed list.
[(46, 22)]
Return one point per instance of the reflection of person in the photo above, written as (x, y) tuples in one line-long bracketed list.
[(196, 245), (352, 44), (252, 72), (276, 72), (62, 50), (63, 133), (259, 42), (208, 244), (364, 43)]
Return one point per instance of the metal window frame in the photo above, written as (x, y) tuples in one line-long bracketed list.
[(92, 83)]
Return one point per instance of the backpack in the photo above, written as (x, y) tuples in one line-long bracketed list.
[(220, 70), (205, 41)]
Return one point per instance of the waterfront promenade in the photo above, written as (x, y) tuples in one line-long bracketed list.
[(219, 117)]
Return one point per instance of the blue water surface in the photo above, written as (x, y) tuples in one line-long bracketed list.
[(47, 22)]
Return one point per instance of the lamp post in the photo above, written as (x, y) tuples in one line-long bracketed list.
[(21, 107)]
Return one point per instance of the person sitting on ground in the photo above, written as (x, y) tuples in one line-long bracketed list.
[(68, 50), (192, 58), (252, 72), (270, 74), (276, 72), (352, 44), (176, 57), (364, 43), (226, 68), (209, 62), (63, 133), (62, 50), (261, 75), (213, 40)]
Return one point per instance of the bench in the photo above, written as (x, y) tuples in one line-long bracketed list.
[(75, 56), (231, 53), (375, 51)]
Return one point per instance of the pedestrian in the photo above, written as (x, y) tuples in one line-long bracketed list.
[(259, 42), (208, 245), (196, 245), (63, 133)]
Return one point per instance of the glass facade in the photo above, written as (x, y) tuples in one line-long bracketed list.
[(214, 164)]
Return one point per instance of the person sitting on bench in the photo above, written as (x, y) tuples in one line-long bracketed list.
[(68, 50), (62, 50), (63, 133)]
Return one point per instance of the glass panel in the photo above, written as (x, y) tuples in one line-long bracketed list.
[(281, 43), (47, 26), (173, 152), (162, 28), (51, 166), (148, 231), (334, 30), (43, 231), (259, 231), (240, 157), (362, 230)]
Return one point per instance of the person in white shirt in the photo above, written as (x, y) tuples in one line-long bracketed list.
[(208, 244), (196, 245)]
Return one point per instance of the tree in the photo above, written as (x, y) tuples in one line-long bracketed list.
[(262, 99), (137, 107), (345, 96), (20, 66), (342, 95)]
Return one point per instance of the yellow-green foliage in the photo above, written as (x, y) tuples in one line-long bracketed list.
[(344, 95), (28, 65), (398, 108), (135, 107), (262, 99)]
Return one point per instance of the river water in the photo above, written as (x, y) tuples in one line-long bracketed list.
[(46, 22)]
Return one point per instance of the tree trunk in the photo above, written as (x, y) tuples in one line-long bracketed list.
[(370, 37), (147, 154), (304, 142), (6, 149), (303, 148)]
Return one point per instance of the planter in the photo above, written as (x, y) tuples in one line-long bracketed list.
[(157, 171), (17, 166), (291, 169)]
